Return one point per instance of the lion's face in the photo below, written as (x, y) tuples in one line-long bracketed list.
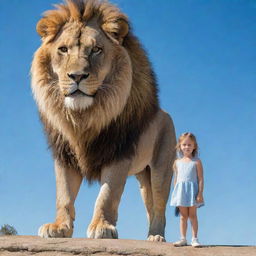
[(80, 60), (82, 65)]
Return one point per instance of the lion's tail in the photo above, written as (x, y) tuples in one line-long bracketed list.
[(177, 211)]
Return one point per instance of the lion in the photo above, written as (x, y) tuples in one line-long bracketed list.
[(97, 98)]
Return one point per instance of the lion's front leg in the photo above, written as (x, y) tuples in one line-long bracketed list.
[(68, 182), (103, 224)]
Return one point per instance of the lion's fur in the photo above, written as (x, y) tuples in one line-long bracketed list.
[(117, 129), (91, 127)]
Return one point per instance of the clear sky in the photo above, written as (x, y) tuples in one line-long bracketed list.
[(203, 53)]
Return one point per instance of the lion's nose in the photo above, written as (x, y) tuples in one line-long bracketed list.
[(78, 77)]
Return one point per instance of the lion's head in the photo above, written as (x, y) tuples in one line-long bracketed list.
[(92, 79), (82, 58)]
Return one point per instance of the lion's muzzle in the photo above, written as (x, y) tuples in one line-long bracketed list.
[(76, 89), (78, 77)]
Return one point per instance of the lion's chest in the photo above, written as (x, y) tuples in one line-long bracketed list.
[(89, 158)]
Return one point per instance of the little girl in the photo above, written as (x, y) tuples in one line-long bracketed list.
[(187, 195)]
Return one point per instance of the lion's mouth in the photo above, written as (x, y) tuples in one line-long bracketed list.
[(80, 93)]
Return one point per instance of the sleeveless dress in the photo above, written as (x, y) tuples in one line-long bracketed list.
[(186, 187)]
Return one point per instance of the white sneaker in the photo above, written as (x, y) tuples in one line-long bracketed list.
[(181, 242), (195, 243)]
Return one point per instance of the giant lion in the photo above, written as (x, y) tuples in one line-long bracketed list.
[(97, 99)]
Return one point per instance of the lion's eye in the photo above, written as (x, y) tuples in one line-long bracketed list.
[(63, 49), (96, 50)]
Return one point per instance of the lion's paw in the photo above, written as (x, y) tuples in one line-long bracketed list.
[(102, 229), (55, 230), (156, 238)]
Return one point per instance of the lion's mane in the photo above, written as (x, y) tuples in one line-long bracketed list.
[(92, 138)]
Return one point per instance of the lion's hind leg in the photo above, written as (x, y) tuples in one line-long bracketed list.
[(155, 210), (146, 191), (160, 192), (160, 180)]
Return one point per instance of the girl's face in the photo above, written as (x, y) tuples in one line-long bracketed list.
[(187, 146)]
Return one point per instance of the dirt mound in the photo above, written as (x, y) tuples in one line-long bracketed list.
[(31, 245)]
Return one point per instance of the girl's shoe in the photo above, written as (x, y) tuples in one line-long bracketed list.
[(181, 242), (195, 243)]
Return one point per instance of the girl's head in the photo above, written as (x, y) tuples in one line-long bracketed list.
[(187, 145)]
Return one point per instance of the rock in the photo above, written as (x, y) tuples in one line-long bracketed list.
[(31, 245)]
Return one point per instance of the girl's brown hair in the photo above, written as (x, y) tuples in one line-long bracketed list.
[(190, 136)]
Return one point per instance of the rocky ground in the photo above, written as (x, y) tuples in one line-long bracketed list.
[(31, 245)]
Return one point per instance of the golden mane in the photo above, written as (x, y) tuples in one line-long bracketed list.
[(109, 16)]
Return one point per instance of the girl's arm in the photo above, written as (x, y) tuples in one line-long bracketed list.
[(175, 173), (200, 177)]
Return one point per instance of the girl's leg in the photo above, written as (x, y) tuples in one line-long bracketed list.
[(184, 213), (193, 219)]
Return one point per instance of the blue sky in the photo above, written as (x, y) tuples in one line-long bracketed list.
[(203, 53)]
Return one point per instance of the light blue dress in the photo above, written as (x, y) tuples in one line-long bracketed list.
[(186, 188)]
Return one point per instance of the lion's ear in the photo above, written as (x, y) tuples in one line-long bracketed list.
[(46, 27), (116, 29)]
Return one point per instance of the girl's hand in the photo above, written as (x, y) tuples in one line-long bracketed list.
[(199, 198)]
